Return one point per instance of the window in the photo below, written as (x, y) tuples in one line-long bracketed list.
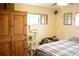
[(77, 19), (44, 19), (67, 18), (33, 19)]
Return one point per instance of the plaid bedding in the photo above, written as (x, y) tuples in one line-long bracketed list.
[(60, 48)]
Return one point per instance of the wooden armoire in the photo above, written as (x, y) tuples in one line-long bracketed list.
[(13, 32)]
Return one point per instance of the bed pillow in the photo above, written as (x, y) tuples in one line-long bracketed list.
[(74, 39)]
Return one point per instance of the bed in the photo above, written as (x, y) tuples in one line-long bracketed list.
[(67, 47)]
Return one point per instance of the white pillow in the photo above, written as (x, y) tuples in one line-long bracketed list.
[(74, 39)]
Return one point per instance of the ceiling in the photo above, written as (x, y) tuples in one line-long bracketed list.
[(42, 4), (50, 4)]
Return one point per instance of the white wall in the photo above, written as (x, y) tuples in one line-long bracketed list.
[(65, 31)]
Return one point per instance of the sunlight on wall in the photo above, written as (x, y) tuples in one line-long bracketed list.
[(77, 19)]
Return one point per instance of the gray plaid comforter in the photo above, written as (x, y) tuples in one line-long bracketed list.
[(60, 48)]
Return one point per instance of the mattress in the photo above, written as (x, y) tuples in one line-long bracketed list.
[(59, 48)]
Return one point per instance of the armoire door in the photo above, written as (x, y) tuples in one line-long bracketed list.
[(5, 35), (19, 33)]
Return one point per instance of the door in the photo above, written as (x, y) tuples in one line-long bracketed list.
[(19, 33), (5, 35)]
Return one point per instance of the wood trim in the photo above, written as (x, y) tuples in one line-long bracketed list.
[(7, 6)]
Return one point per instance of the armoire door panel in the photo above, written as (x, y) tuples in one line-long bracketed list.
[(19, 48), (18, 24), (5, 48), (4, 24)]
